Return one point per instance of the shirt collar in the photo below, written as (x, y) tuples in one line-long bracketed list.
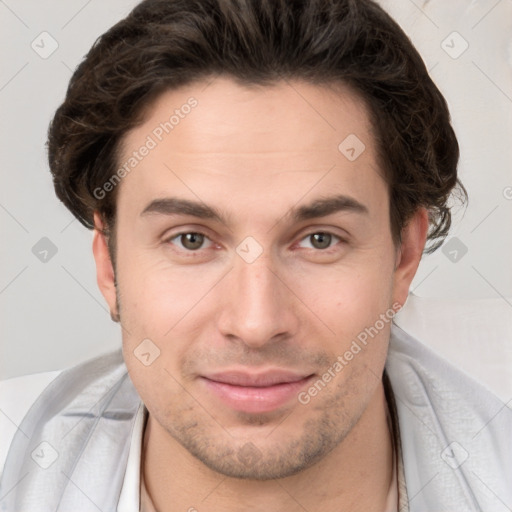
[(399, 474), (129, 499)]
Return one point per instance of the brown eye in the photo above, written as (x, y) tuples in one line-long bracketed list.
[(320, 240), (191, 241)]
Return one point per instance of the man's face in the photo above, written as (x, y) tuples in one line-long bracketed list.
[(253, 310)]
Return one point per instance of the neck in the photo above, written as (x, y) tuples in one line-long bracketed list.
[(354, 476)]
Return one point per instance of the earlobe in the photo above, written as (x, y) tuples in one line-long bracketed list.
[(414, 236), (105, 274)]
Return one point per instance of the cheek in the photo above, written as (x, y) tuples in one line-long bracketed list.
[(151, 304), (349, 298), (156, 383), (153, 297), (160, 304)]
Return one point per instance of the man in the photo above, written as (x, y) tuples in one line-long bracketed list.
[(262, 178)]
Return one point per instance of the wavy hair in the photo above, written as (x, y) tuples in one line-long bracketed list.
[(165, 44)]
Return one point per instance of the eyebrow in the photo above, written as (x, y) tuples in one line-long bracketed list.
[(318, 208)]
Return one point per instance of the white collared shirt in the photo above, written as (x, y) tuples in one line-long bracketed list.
[(129, 500)]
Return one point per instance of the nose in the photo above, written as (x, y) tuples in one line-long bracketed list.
[(258, 306)]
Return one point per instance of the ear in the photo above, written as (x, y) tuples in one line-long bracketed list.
[(105, 274), (414, 236)]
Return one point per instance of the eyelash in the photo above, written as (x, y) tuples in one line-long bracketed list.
[(175, 236)]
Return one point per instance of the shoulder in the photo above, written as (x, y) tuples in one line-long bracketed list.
[(16, 397), (95, 405), (43, 395), (472, 334), (455, 432)]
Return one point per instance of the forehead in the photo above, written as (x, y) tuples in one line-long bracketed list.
[(255, 118), (221, 135)]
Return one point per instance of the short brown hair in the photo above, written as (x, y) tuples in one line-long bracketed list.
[(165, 44)]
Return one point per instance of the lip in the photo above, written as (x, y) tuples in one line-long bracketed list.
[(255, 392)]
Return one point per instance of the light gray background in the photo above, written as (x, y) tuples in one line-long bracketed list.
[(52, 313)]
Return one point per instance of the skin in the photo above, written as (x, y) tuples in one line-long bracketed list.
[(255, 153)]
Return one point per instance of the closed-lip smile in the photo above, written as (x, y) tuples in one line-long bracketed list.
[(255, 392)]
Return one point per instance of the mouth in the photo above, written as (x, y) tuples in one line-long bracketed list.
[(256, 393)]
